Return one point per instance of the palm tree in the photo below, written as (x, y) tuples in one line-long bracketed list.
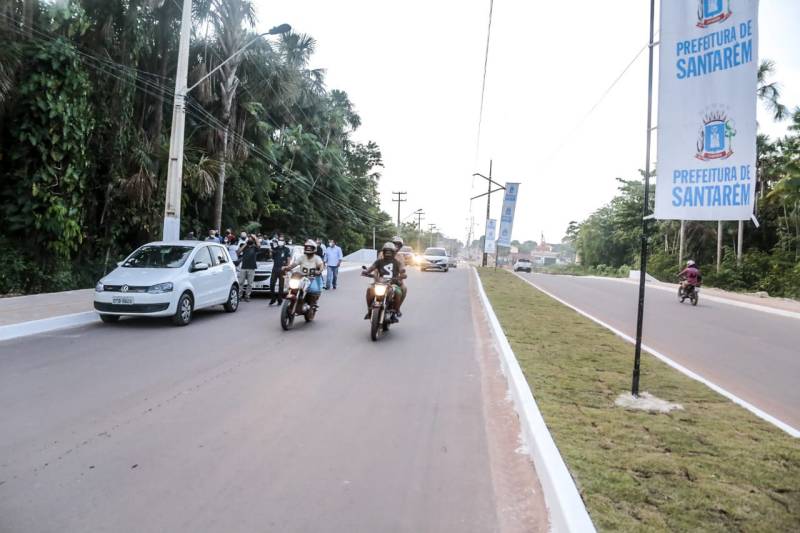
[(228, 18), (769, 93)]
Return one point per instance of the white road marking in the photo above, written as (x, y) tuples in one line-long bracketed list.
[(677, 366)]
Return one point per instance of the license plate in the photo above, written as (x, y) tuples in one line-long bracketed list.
[(122, 300)]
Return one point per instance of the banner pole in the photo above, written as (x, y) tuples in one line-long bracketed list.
[(645, 205)]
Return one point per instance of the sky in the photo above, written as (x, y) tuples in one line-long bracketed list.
[(413, 70)]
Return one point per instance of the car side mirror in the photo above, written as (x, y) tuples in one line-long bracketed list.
[(199, 266)]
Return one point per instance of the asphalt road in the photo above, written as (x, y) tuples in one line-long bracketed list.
[(231, 424), (754, 355)]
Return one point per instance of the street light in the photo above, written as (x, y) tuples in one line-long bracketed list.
[(172, 202)]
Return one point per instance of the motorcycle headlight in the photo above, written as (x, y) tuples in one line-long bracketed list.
[(380, 290), (160, 288), (294, 283)]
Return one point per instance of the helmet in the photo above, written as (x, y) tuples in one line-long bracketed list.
[(310, 247), (690, 263), (397, 240), (389, 247)]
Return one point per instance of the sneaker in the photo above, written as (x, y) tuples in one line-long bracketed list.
[(394, 319), (398, 314), (271, 303), (368, 315)]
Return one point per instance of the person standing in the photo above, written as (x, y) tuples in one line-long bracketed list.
[(247, 271), (232, 245), (333, 258), (212, 236), (281, 255)]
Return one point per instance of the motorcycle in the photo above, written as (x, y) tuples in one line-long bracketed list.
[(383, 314), (295, 303), (688, 291)]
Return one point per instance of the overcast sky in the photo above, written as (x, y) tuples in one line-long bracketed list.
[(413, 70)]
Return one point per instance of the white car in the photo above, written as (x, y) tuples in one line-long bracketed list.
[(522, 265), (169, 279), (434, 259)]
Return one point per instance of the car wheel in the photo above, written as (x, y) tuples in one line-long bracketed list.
[(183, 314), (446, 270), (233, 300), (109, 319)]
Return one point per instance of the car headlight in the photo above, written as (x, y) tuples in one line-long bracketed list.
[(380, 290), (99, 287), (294, 283), (160, 288)]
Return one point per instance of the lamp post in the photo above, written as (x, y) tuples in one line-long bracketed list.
[(172, 202)]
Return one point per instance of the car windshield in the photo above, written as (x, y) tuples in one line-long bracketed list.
[(524, 260), (435, 251), (263, 255), (158, 257)]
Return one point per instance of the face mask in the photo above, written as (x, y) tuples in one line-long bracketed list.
[(330, 243)]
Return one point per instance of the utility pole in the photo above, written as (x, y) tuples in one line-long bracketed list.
[(431, 227), (488, 195), (399, 201), (719, 244), (420, 213), (172, 206), (680, 244), (373, 238)]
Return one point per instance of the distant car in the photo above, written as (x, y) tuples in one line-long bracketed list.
[(263, 269), (434, 259), (452, 262), (522, 265), (407, 253), (169, 279), (264, 264)]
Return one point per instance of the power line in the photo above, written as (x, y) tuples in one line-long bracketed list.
[(483, 84), (599, 101)]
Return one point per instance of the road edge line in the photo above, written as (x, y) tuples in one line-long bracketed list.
[(566, 507), (677, 366), (44, 325), (719, 299)]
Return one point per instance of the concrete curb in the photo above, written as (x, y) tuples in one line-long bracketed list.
[(677, 366), (567, 510), (33, 327)]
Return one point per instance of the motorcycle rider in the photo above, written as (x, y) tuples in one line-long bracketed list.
[(690, 276), (307, 263), (397, 240), (387, 265)]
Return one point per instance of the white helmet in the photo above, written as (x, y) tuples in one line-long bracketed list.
[(310, 246), (397, 240), (689, 263), (389, 246)]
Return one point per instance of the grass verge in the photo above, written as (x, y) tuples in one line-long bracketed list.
[(711, 467)]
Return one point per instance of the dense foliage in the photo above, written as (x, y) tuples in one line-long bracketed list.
[(608, 241), (86, 106)]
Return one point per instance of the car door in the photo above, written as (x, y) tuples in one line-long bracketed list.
[(221, 278), (202, 280)]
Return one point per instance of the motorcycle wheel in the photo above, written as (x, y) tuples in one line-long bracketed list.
[(376, 326), (287, 316), (694, 298), (681, 297)]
